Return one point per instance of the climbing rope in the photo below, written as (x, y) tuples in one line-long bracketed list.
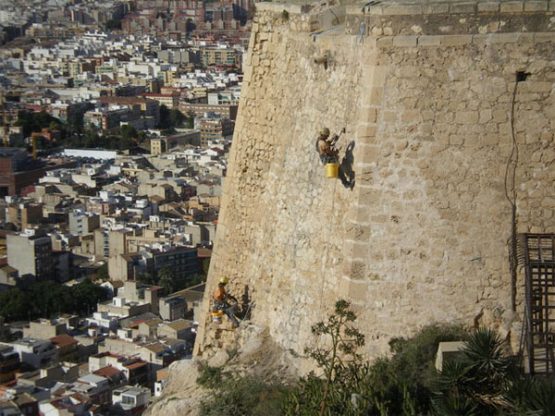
[(327, 248), (295, 234), (325, 257)]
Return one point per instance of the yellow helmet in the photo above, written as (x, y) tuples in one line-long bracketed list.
[(325, 131), (224, 281)]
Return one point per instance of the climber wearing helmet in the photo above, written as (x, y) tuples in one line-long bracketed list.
[(326, 146), (222, 301)]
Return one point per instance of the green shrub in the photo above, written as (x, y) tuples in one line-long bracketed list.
[(210, 377), (399, 385), (479, 380), (533, 396), (484, 380), (243, 396), (342, 367)]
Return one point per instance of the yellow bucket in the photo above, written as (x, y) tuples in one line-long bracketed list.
[(217, 317), (332, 170)]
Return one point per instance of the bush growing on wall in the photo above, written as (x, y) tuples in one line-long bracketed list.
[(338, 390)]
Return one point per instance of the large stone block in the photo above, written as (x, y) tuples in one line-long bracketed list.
[(467, 117), (405, 41), (455, 40), (429, 41), (462, 7), (436, 8), (401, 9), (358, 293), (489, 6), (384, 42), (536, 6), (511, 7)]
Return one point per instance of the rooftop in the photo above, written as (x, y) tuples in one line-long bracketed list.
[(180, 324), (30, 342), (156, 347), (63, 340), (107, 372), (131, 391), (135, 365), (92, 379)]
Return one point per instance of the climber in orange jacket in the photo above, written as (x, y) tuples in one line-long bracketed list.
[(222, 301)]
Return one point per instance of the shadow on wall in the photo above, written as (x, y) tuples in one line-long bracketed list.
[(346, 172), (246, 304)]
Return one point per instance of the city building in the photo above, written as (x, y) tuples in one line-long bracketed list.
[(35, 352), (30, 253), (131, 399), (17, 171), (9, 363), (73, 213), (82, 223), (171, 101), (228, 97), (178, 329), (211, 56), (48, 328), (161, 381), (198, 109), (159, 145), (67, 346), (24, 214), (181, 261), (144, 109), (172, 308), (213, 129)]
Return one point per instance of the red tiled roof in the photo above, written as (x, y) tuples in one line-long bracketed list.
[(107, 372), (136, 365), (63, 340)]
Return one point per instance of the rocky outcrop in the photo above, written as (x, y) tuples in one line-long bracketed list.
[(251, 351)]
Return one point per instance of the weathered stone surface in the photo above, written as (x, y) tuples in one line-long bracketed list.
[(535, 6), (511, 7), (421, 236)]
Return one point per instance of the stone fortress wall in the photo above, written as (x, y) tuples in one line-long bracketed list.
[(425, 91)]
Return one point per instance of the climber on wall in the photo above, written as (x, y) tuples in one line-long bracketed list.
[(326, 146), (222, 301)]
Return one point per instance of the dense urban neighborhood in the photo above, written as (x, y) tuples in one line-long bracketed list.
[(117, 118)]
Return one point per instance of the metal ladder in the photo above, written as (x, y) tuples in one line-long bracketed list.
[(539, 262)]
